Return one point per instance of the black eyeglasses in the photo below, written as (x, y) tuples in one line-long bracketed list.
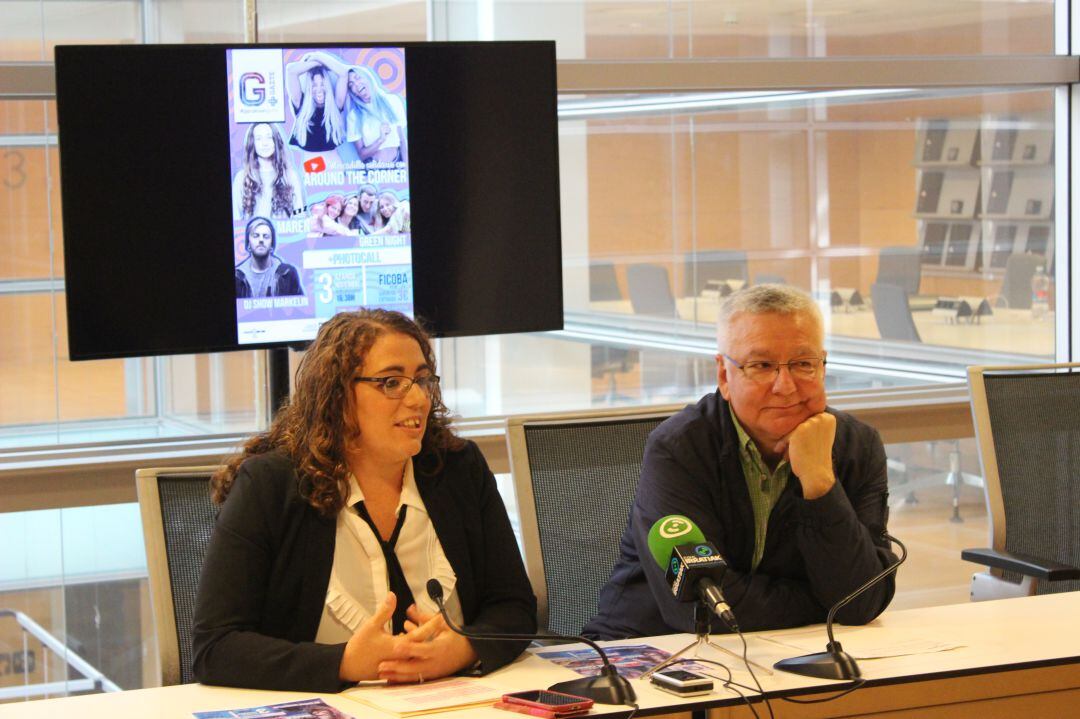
[(767, 371), (397, 386)]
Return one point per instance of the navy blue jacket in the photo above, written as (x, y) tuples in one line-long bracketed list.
[(816, 551), (268, 564)]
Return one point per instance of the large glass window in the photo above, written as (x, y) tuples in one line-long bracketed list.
[(298, 21), (74, 603), (45, 399), (818, 29), (923, 222), (656, 29)]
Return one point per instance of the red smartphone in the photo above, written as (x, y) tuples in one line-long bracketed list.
[(538, 712), (546, 703)]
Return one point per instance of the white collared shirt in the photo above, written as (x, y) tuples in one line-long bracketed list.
[(358, 579)]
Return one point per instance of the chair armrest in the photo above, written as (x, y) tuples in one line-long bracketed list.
[(1025, 564)]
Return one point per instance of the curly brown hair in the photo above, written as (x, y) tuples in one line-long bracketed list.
[(319, 422), (281, 202)]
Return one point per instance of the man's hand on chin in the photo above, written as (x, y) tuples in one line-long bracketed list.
[(809, 450)]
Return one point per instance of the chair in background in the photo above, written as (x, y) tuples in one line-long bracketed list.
[(900, 266), (603, 285), (769, 279), (669, 375), (700, 267), (575, 477), (609, 362), (893, 314), (1016, 287), (177, 519), (895, 322), (650, 290), (1027, 424)]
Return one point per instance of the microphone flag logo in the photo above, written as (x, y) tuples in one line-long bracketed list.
[(675, 526)]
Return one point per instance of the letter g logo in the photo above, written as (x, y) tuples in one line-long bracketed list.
[(252, 89)]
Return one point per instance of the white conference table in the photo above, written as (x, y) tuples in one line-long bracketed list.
[(1011, 654), (1006, 331)]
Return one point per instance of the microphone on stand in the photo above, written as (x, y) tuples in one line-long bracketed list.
[(834, 662), (694, 567), (609, 687)]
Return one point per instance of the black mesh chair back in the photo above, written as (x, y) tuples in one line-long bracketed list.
[(900, 266), (650, 290), (893, 314), (1016, 287), (178, 518), (1027, 422), (700, 267), (603, 285), (575, 477)]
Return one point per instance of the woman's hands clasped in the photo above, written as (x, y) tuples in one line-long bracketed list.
[(432, 650), (426, 650)]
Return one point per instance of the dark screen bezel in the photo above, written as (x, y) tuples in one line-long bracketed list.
[(507, 280)]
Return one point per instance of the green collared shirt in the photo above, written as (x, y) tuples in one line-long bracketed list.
[(764, 486)]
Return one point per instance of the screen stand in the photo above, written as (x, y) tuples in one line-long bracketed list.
[(278, 378)]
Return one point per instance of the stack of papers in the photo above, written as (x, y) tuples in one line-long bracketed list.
[(442, 695)]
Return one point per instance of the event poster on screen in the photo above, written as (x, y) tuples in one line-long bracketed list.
[(319, 159)]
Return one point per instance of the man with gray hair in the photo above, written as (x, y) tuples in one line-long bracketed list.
[(791, 492)]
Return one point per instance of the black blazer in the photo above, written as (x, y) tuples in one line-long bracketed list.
[(268, 564), (816, 551)]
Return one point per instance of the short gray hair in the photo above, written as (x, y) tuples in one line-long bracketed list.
[(765, 299)]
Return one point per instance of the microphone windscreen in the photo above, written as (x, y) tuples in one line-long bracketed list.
[(669, 532), (434, 590)]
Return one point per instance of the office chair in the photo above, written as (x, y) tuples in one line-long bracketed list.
[(607, 361), (892, 313), (769, 279), (895, 322), (1016, 287), (575, 477), (177, 519), (900, 266), (650, 290), (603, 285), (1027, 424), (700, 267)]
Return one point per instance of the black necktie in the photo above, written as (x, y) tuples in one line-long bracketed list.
[(398, 585)]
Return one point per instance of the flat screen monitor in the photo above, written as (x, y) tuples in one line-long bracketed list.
[(222, 197)]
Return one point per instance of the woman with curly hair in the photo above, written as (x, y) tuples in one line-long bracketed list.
[(333, 520), (266, 186)]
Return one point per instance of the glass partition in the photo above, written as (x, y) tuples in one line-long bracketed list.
[(45, 399), (656, 29), (299, 21), (923, 222)]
